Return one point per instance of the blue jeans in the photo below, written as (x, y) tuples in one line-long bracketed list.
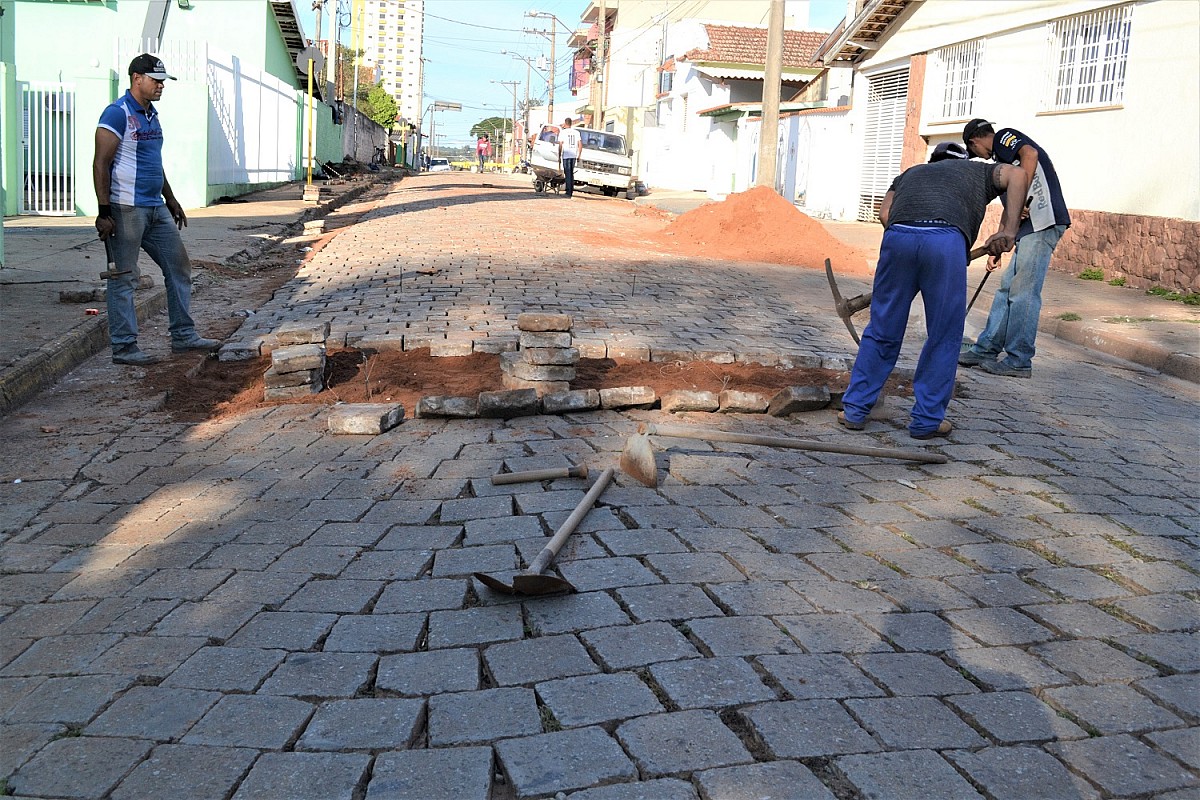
[(1013, 321), (932, 261), (152, 229), (569, 172)]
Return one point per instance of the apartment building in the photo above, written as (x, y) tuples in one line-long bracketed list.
[(389, 32)]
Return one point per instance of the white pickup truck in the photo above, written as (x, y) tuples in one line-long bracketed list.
[(603, 163)]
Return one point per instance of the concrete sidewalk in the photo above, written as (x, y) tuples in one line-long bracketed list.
[(1125, 323), (46, 338)]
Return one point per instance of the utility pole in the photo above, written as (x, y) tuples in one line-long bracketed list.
[(768, 138), (598, 101), (552, 35), (512, 86)]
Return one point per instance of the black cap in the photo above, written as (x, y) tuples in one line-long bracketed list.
[(947, 150), (976, 128), (150, 66)]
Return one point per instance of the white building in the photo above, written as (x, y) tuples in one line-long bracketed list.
[(389, 33)]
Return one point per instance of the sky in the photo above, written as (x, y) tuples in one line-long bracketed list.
[(464, 42)]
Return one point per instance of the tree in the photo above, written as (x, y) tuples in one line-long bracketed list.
[(491, 126), (381, 106)]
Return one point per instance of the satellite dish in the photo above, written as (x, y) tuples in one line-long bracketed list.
[(303, 57)]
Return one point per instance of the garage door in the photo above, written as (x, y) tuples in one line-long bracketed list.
[(887, 94)]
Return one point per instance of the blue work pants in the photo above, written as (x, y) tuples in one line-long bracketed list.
[(932, 261)]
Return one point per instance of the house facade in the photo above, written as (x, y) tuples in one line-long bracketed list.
[(1110, 90)]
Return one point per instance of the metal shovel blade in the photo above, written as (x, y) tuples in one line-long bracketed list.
[(531, 585)]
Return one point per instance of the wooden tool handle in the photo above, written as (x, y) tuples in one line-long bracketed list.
[(503, 478), (709, 435), (976, 253), (567, 528)]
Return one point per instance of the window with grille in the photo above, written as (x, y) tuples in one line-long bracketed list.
[(1087, 56), (960, 65)]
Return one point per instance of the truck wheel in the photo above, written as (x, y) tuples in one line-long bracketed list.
[(610, 191)]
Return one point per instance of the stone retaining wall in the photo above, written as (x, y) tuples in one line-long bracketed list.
[(1146, 251)]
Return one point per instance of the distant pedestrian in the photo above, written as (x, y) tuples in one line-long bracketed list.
[(1012, 323), (568, 151), (138, 211), (483, 148), (931, 215)]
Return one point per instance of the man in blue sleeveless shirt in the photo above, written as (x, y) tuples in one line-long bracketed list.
[(1013, 320), (138, 211), (932, 213)]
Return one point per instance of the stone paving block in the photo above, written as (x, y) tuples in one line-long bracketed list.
[(1006, 668), (621, 397), (464, 773), (630, 646), (502, 529), (999, 557), (913, 723), (1112, 709), (296, 358), (83, 766), (680, 400), (337, 596), (480, 625), (182, 584), (681, 742), (839, 597), (305, 776), (402, 512), (736, 401), (535, 660), (420, 537), (368, 419), (363, 724), (147, 656), (1176, 651), (321, 675), (315, 560), (667, 602), (482, 717), (808, 729), (296, 383), (304, 332), (777, 779), (1158, 576), (286, 630), (571, 401), (809, 677), (229, 669), (376, 633), (710, 682), (469, 508), (925, 594), (1093, 661), (1166, 612), (186, 772), (539, 502), (216, 619), (1183, 743), (607, 573), (664, 516), (915, 773), (1122, 765), (660, 789), (638, 543), (919, 632), (389, 565), (422, 595), (912, 674), (1015, 717), (832, 633), (798, 399), (72, 700), (263, 722), (694, 568), (1076, 583), (998, 589), (1017, 773), (597, 699), (428, 673), (448, 407), (467, 560), (555, 762), (1084, 550), (767, 598), (508, 404), (999, 626), (542, 322), (1181, 693), (153, 712), (544, 339), (742, 636), (573, 613), (44, 619)]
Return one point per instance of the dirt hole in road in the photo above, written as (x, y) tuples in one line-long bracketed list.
[(210, 389)]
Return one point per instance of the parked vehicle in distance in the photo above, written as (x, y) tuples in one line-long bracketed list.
[(439, 165), (604, 161)]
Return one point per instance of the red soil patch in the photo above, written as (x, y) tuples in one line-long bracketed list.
[(759, 225), (215, 389)]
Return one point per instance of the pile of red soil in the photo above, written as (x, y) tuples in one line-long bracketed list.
[(759, 225)]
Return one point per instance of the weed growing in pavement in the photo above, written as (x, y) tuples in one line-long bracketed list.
[(550, 723), (1118, 281), (1129, 320), (1189, 299), (1069, 316), (1092, 274)]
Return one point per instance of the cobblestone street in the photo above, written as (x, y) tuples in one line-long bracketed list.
[(253, 607)]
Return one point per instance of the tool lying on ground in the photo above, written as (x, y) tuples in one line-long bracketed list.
[(847, 307), (637, 459), (540, 475), (533, 581), (112, 271)]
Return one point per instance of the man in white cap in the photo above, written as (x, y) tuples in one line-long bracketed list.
[(138, 211)]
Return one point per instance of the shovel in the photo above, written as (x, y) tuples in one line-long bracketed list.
[(637, 459), (533, 582)]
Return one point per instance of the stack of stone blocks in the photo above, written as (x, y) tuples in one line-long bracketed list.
[(297, 362), (544, 360)]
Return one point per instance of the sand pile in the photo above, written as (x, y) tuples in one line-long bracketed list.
[(759, 225)]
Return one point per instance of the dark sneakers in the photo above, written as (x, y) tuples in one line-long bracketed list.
[(1005, 369), (199, 343), (134, 357), (969, 358)]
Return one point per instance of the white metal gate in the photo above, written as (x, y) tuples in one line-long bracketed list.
[(47, 149), (887, 95)]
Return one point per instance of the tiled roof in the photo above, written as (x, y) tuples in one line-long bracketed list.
[(728, 44)]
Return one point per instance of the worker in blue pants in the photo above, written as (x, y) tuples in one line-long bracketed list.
[(931, 215)]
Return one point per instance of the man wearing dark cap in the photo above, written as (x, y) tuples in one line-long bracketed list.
[(1013, 320), (138, 211), (931, 213)]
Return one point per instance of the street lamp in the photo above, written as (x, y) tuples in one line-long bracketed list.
[(551, 35)]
